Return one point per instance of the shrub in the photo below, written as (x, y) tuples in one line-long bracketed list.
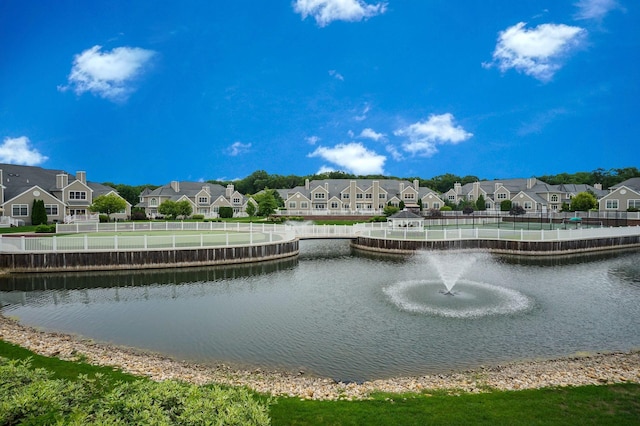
[(225, 212), (435, 213), (378, 219), (31, 396), (104, 218), (197, 217), (38, 213), (138, 215), (446, 208), (46, 229)]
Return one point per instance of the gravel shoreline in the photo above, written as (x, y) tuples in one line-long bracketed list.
[(592, 369)]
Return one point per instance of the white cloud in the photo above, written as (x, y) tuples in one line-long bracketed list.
[(327, 11), (238, 148), (326, 169), (371, 134), (363, 116), (312, 140), (594, 9), (19, 151), (352, 157), (536, 52), (397, 155), (335, 74), (425, 136), (107, 74)]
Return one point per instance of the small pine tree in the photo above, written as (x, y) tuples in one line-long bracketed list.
[(38, 213)]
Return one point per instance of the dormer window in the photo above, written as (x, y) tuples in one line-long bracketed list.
[(203, 200), (319, 196), (77, 195)]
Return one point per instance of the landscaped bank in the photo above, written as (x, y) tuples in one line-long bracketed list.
[(584, 369)]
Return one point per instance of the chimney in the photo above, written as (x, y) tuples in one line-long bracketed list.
[(207, 189), (175, 185), (82, 176), (62, 180), (476, 189), (597, 186), (531, 182), (401, 187), (497, 186), (457, 188), (306, 184), (416, 184), (229, 191)]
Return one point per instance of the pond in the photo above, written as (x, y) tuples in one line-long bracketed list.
[(349, 315)]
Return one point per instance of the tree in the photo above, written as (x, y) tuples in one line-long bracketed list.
[(267, 203), (390, 210), (183, 208), (38, 213), (467, 210), (583, 201), (251, 209), (108, 204), (481, 204), (168, 208)]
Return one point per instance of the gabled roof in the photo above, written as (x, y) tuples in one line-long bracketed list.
[(18, 179), (336, 186), (405, 214), (189, 189), (633, 183)]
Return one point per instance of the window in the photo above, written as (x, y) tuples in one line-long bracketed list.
[(292, 204), (319, 195), (203, 200), (554, 198), (368, 196), (236, 200), (528, 205), (51, 209), (334, 204), (382, 196), (153, 202), (611, 205), (436, 205), (359, 196), (320, 206), (304, 205), (409, 196), (452, 197), (345, 196), (19, 210), (501, 196), (77, 195), (634, 204)]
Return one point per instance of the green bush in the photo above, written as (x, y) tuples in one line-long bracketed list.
[(38, 213), (138, 215), (197, 217), (446, 208), (46, 229), (32, 396), (378, 219), (104, 218), (225, 212)]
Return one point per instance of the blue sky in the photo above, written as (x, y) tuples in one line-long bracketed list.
[(154, 91)]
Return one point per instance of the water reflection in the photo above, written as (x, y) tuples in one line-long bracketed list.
[(107, 279)]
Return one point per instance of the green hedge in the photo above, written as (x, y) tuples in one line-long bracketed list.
[(32, 396)]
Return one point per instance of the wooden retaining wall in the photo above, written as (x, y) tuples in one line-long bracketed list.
[(141, 259), (534, 248)]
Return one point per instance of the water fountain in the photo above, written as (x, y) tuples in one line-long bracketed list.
[(472, 298)]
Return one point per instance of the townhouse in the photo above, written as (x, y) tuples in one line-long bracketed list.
[(531, 194), (356, 197), (66, 197), (624, 196), (205, 198)]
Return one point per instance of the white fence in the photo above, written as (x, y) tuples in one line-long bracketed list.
[(11, 244), (499, 234)]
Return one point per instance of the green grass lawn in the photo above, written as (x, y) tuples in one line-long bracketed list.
[(586, 405)]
